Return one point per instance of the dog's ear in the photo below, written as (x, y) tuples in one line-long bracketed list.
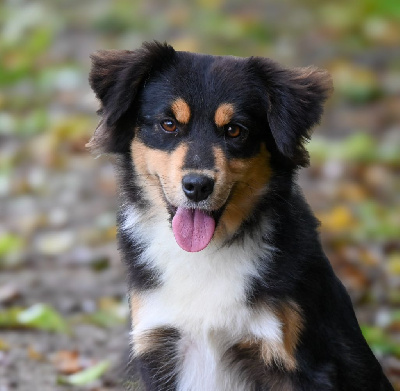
[(116, 77), (295, 104)]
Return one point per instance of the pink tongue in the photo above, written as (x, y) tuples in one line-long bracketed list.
[(193, 229)]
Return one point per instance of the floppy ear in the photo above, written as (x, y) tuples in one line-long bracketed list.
[(116, 77), (295, 104)]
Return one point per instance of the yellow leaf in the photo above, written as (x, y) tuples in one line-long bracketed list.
[(4, 346), (393, 263), (352, 192), (338, 219)]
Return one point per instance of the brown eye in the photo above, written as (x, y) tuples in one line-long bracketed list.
[(233, 131), (169, 125)]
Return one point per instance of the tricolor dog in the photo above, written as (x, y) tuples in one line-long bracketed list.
[(229, 287)]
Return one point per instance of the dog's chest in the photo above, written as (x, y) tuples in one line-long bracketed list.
[(210, 321), (200, 297), (205, 300), (201, 292)]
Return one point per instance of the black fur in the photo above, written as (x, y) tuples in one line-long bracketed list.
[(275, 107), (116, 78), (196, 159), (156, 367)]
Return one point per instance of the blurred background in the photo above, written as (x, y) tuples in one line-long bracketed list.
[(62, 288)]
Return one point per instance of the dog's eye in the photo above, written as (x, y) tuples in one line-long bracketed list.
[(168, 125), (233, 131)]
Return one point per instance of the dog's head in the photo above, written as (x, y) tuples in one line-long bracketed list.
[(205, 133)]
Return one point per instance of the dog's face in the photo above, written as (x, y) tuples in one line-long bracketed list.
[(206, 134), (198, 145)]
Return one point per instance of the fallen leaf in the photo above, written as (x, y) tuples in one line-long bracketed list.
[(8, 293), (100, 264), (68, 362), (338, 219), (356, 84), (4, 346), (33, 354), (9, 243), (379, 341), (393, 263), (111, 312), (86, 376), (9, 317), (42, 316)]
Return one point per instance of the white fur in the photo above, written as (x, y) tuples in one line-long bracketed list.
[(203, 295)]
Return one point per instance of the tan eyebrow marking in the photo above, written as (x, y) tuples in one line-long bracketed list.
[(224, 114), (181, 111)]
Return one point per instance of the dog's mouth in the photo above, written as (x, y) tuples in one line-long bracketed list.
[(194, 228)]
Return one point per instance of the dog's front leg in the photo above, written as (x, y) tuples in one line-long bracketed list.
[(156, 356)]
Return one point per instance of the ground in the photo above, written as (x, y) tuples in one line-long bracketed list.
[(63, 309)]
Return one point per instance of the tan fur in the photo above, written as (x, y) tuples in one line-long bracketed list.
[(149, 341), (278, 355), (100, 136), (282, 354), (224, 114), (321, 77), (249, 177), (135, 305), (181, 111), (154, 167), (292, 324)]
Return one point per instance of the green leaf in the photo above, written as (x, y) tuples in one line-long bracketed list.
[(359, 147), (356, 84), (9, 243), (9, 317), (395, 315), (43, 317), (377, 221), (86, 376), (104, 319), (379, 341), (100, 264)]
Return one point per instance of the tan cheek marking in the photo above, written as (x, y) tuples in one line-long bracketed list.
[(249, 177), (224, 114), (220, 160), (147, 177), (154, 166), (181, 111), (174, 169), (223, 179)]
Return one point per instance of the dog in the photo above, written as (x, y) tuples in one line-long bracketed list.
[(229, 287)]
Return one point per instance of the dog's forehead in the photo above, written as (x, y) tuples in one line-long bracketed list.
[(208, 71), (196, 82)]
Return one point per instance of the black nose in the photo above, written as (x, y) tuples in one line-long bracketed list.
[(197, 187)]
